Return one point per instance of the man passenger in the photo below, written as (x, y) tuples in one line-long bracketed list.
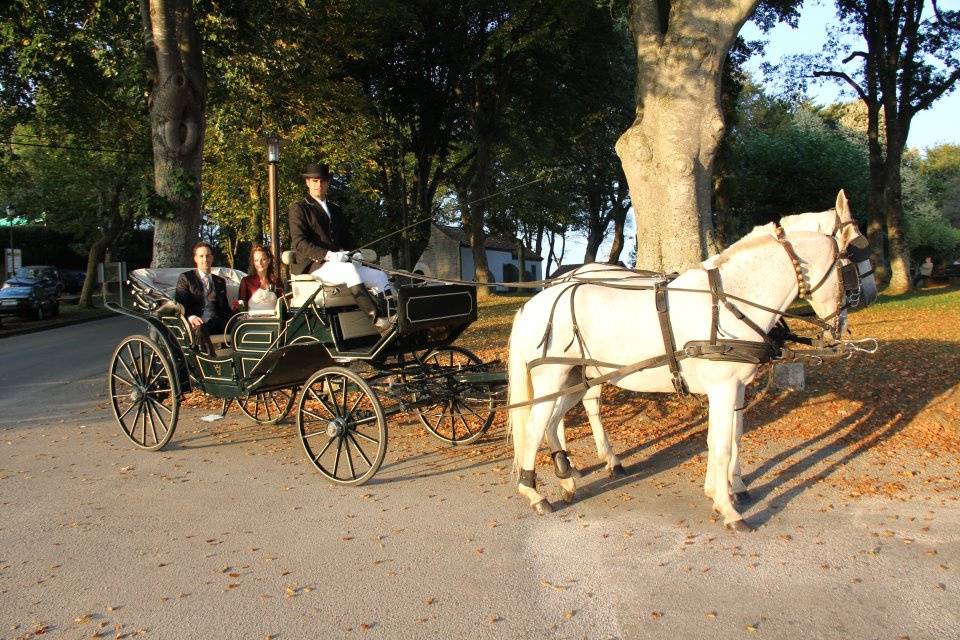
[(203, 296)]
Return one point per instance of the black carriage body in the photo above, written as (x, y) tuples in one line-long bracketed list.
[(283, 350), (304, 355)]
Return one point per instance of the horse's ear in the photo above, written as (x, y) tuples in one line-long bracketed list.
[(843, 207)]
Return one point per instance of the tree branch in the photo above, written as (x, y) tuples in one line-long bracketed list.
[(951, 24), (934, 95), (855, 54), (841, 75)]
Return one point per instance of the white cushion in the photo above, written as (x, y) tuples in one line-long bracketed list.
[(165, 280)]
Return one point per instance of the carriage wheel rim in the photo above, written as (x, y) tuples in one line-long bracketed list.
[(141, 393), (265, 408), (450, 418), (342, 426)]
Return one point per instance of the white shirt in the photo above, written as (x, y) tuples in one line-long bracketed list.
[(323, 203)]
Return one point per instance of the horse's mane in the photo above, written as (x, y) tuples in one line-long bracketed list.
[(757, 236), (795, 219)]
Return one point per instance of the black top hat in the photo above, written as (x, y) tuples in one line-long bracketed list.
[(317, 171)]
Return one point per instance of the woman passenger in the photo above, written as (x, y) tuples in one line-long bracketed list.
[(260, 289)]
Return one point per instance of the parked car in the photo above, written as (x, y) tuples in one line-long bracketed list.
[(72, 280), (32, 292)]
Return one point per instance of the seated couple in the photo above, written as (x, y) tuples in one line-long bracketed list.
[(320, 236), (203, 295)]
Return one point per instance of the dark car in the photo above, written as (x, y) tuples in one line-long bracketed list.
[(72, 280), (31, 292)]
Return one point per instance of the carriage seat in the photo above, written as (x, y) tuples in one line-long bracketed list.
[(302, 287)]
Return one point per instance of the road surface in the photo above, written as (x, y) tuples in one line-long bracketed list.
[(229, 532)]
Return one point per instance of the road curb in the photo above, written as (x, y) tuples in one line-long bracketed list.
[(65, 323)]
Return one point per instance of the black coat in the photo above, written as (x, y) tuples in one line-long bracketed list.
[(313, 233), (190, 295)]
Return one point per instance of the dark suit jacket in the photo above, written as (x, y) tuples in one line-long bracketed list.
[(313, 233), (190, 295)]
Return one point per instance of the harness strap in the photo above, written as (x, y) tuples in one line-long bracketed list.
[(716, 293), (663, 315)]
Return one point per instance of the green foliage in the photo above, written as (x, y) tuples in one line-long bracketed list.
[(788, 159)]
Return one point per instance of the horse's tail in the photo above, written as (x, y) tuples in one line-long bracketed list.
[(519, 390)]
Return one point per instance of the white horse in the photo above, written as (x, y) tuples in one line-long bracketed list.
[(607, 320), (837, 222)]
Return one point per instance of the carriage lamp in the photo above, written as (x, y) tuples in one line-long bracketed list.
[(273, 148), (273, 159)]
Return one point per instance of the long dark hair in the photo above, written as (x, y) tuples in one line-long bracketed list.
[(271, 276)]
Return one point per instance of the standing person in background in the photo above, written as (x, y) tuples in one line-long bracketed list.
[(320, 237), (924, 272), (203, 297), (260, 289)]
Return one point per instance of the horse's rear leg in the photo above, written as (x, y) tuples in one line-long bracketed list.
[(533, 433), (557, 441), (591, 404), (720, 434)]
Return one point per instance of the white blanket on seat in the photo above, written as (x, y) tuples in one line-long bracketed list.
[(165, 280)]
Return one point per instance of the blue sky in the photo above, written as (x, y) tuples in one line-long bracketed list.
[(937, 125)]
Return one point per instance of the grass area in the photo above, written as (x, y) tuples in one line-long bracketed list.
[(945, 298)]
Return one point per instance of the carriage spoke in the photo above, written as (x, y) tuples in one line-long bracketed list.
[(124, 414), (353, 473), (362, 421), (366, 437), (167, 390), (266, 408), (336, 463), (465, 425), (129, 383), (153, 403), (324, 450), (132, 375), (453, 422), (343, 393), (359, 449), (160, 404), (324, 403), (356, 403), (315, 416), (153, 425)]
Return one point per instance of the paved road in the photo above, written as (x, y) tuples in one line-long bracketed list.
[(229, 533)]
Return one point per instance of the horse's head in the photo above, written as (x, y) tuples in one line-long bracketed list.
[(816, 261), (857, 270), (859, 285)]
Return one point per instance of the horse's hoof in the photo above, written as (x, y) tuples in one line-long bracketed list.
[(617, 471), (740, 526), (543, 507), (743, 497), (568, 496)]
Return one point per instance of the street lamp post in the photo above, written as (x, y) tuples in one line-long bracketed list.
[(273, 160), (11, 212)]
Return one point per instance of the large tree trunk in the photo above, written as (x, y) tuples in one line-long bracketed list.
[(619, 222), (177, 106), (472, 217), (668, 151), (893, 215)]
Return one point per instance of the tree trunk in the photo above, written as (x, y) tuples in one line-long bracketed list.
[(473, 226), (668, 151), (177, 107), (619, 222), (893, 216), (111, 231)]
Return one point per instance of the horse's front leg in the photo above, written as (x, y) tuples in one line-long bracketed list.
[(739, 489), (591, 404), (720, 434)]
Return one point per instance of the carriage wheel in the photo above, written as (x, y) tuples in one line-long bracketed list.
[(342, 426), (269, 407), (462, 412), (141, 393)]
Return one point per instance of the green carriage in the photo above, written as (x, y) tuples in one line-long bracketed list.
[(315, 353)]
